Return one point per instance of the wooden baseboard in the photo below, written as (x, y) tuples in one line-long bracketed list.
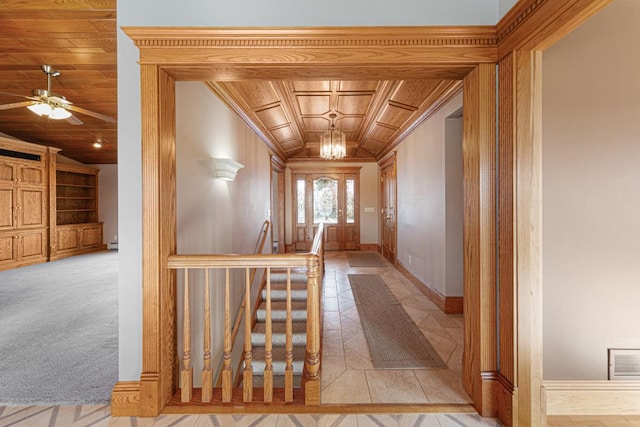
[(449, 305), (125, 399), (591, 397), (369, 247)]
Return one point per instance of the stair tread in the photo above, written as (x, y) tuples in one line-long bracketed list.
[(279, 313), (278, 360), (278, 336), (281, 277)]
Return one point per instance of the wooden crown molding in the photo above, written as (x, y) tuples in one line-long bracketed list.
[(538, 24), (355, 37)]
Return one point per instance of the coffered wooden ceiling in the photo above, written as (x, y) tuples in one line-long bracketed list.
[(374, 115), (79, 39)]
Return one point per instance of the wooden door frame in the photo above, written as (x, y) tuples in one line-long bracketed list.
[(389, 161), (173, 54), (278, 167), (330, 170)]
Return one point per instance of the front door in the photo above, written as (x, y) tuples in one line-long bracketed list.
[(388, 197), (331, 198)]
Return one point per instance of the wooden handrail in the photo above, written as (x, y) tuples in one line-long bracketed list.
[(313, 263)]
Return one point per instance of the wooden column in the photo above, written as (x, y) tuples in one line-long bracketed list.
[(520, 238), (479, 362), (157, 381)]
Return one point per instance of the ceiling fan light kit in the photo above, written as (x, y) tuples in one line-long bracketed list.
[(48, 104)]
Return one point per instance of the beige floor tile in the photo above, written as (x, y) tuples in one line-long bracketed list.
[(297, 420), (350, 328), (394, 386), (332, 345), (355, 360), (432, 325), (331, 321), (332, 368), (350, 387), (444, 346), (358, 344), (418, 420), (442, 386), (377, 420), (337, 420), (445, 320), (455, 361), (330, 304)]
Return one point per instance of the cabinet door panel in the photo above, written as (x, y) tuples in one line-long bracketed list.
[(6, 172), (31, 175), (68, 239), (32, 210), (33, 245), (7, 253), (91, 236), (7, 211)]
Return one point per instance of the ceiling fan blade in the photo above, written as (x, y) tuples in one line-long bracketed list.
[(90, 113), (20, 96), (16, 105), (73, 120)]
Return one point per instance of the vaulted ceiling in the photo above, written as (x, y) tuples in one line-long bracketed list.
[(79, 39)]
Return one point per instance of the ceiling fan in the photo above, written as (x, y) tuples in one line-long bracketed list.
[(55, 106)]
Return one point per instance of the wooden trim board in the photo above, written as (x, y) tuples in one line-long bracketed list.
[(591, 397), (449, 305), (125, 399)]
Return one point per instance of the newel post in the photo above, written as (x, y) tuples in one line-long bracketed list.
[(312, 356)]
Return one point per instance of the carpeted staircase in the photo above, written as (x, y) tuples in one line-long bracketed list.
[(278, 319)]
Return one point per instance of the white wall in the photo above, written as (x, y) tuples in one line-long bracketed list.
[(423, 216), (108, 201), (591, 194), (233, 13)]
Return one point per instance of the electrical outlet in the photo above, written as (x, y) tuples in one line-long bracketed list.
[(410, 261), (115, 237)]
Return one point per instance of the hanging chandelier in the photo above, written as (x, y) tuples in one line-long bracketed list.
[(333, 143)]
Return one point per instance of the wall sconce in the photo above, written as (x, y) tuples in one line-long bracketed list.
[(226, 169)]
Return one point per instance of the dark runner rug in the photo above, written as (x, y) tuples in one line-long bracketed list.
[(365, 259), (394, 340)]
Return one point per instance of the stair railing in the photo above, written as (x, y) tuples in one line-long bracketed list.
[(312, 261)]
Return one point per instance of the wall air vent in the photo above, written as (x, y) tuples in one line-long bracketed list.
[(624, 364)]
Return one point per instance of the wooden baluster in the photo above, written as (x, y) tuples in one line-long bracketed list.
[(312, 356), (187, 370), (207, 374), (288, 373), (268, 356), (247, 375), (226, 366)]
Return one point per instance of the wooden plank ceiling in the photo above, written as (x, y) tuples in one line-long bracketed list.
[(79, 39)]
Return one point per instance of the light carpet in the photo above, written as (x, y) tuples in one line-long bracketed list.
[(394, 340), (59, 331), (365, 259)]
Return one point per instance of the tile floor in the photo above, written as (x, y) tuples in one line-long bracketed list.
[(347, 374)]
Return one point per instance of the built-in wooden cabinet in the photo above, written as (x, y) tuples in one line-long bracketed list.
[(77, 228), (24, 202), (47, 210)]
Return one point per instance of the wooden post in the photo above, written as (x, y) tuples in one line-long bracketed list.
[(187, 370), (226, 364), (312, 356), (207, 374), (247, 374), (268, 348), (288, 373)]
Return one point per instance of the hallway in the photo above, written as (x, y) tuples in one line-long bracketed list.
[(348, 375)]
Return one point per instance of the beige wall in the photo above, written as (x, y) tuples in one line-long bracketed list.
[(591, 194), (430, 202), (215, 216)]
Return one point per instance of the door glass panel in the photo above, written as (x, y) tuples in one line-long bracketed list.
[(300, 200), (325, 200), (351, 201)]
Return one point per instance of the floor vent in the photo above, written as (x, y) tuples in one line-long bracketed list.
[(624, 364)]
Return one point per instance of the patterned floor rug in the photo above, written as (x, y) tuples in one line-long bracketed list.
[(394, 340)]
